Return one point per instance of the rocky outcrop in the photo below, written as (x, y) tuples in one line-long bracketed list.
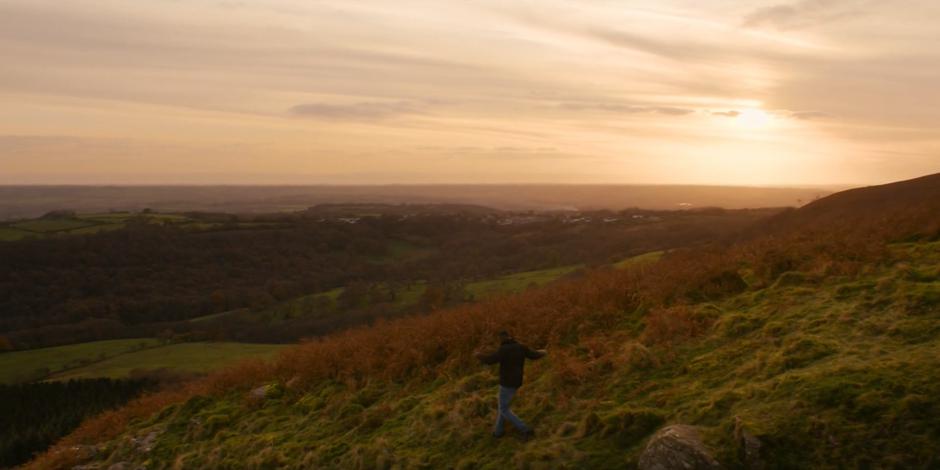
[(749, 446), (677, 447), (266, 392)]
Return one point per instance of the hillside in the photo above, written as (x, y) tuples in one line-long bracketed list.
[(90, 277), (908, 201), (820, 344)]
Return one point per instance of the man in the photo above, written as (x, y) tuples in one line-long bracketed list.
[(511, 357)]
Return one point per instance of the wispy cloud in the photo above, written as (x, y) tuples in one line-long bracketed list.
[(804, 13), (807, 115), (355, 112), (732, 113), (627, 108)]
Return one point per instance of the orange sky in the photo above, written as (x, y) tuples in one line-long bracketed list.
[(436, 91)]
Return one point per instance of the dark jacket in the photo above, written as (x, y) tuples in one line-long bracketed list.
[(511, 357)]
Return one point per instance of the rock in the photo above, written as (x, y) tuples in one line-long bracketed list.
[(145, 444), (677, 447), (258, 393), (748, 446), (266, 391), (84, 452)]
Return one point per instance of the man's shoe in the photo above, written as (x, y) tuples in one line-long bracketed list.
[(497, 435), (527, 435)]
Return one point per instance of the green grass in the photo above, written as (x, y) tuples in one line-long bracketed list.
[(86, 224), (650, 257), (9, 234), (118, 217), (50, 225), (96, 229), (518, 282), (37, 363), (186, 357), (828, 372)]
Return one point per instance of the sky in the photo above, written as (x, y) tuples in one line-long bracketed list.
[(740, 92)]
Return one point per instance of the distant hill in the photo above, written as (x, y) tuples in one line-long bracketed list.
[(871, 207), (33, 201), (377, 209)]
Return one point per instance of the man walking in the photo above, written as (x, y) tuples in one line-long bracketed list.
[(511, 358)]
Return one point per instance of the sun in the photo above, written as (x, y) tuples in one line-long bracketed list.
[(753, 118)]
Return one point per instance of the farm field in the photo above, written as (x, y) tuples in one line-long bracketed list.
[(18, 366), (650, 257), (518, 282), (87, 224), (183, 357)]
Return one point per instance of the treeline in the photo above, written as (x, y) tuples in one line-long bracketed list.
[(36, 415), (150, 278)]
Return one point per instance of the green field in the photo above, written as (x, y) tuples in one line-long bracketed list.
[(37, 363), (10, 234), (50, 225), (518, 282), (186, 357), (85, 224), (650, 257), (116, 217)]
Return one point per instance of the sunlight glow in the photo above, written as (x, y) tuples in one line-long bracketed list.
[(753, 119)]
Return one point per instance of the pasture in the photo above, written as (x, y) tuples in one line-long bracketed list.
[(180, 357), (34, 364)]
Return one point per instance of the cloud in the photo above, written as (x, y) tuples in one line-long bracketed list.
[(732, 113), (672, 111), (627, 109), (801, 14), (807, 115), (366, 111)]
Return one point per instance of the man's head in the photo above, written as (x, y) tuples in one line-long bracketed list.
[(504, 336)]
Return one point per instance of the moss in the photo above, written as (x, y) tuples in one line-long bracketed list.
[(350, 409), (368, 396), (793, 278), (738, 324), (590, 424), (801, 351), (628, 426), (638, 357), (214, 422), (846, 291), (914, 331)]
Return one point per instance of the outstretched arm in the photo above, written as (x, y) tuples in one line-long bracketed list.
[(536, 354), (491, 358)]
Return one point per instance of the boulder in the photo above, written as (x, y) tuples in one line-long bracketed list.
[(677, 447), (266, 391), (259, 392), (749, 446), (145, 443)]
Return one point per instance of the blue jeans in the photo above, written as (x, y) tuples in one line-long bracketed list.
[(505, 398)]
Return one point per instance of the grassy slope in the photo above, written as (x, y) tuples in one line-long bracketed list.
[(19, 365), (827, 372), (189, 357)]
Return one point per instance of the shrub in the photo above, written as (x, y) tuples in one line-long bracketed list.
[(673, 325)]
